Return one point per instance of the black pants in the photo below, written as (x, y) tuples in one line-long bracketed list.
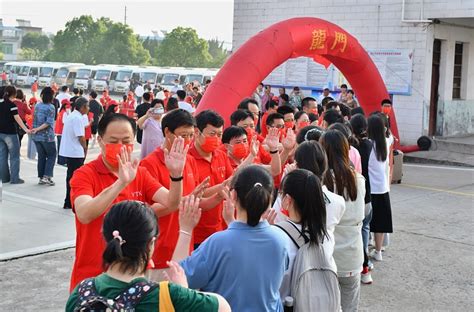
[(72, 165)]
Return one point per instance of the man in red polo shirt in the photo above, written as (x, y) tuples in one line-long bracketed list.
[(211, 162), (113, 177), (176, 124)]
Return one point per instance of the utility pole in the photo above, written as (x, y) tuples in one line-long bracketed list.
[(125, 17)]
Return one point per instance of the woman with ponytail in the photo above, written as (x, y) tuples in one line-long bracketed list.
[(342, 179), (130, 230), (244, 263)]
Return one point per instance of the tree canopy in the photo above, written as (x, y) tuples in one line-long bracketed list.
[(37, 41)]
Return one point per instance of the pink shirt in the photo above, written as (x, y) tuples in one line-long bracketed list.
[(354, 156)]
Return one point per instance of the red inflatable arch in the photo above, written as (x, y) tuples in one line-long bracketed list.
[(311, 37)]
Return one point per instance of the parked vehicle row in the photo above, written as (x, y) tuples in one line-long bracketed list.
[(115, 78)]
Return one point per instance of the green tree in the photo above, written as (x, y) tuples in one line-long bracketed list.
[(29, 54), (36, 41), (217, 52), (152, 47), (90, 41), (183, 47)]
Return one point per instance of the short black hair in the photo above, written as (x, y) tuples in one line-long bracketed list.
[(64, 88), (208, 117), (326, 100), (386, 101), (271, 104), (244, 104), (93, 94), (285, 97), (175, 119), (345, 110), (309, 133), (157, 101), (357, 110), (305, 101), (232, 132), (146, 96), (285, 109), (298, 114), (47, 95), (240, 115), (332, 116), (172, 104), (343, 86), (181, 94), (332, 105), (271, 118), (75, 90), (80, 102), (326, 89), (350, 91), (109, 118)]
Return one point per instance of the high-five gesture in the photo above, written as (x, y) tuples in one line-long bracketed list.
[(175, 158), (198, 192), (254, 146), (189, 213), (289, 141), (272, 139), (127, 167)]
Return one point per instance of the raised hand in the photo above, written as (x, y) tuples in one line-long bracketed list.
[(269, 215), (127, 167), (289, 168), (272, 139), (175, 158), (199, 190), (289, 141), (228, 211), (176, 274), (189, 213)]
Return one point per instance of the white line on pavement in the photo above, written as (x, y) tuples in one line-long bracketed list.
[(36, 250), (439, 167)]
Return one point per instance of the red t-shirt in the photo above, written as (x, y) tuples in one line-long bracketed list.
[(264, 157), (128, 108), (88, 130), (91, 179), (169, 224), (59, 125), (23, 109), (264, 124), (219, 169)]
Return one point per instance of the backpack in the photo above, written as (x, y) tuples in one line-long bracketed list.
[(314, 284), (89, 300)]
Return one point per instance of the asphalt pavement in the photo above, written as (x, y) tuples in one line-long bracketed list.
[(426, 267)]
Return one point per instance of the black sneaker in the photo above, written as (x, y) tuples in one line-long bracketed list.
[(19, 181), (49, 181)]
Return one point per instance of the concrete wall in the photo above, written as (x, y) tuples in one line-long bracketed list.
[(376, 24)]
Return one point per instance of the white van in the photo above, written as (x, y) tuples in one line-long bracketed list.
[(173, 73), (122, 81), (13, 70), (152, 75), (104, 78), (84, 77), (47, 72), (28, 74), (66, 75)]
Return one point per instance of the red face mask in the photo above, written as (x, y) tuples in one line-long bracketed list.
[(386, 109), (303, 124), (289, 124), (210, 144), (314, 111), (240, 150), (111, 152)]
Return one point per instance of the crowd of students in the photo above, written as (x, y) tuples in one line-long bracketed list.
[(236, 213)]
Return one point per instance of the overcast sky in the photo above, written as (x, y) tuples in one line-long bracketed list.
[(210, 18)]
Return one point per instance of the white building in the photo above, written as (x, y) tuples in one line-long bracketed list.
[(440, 33)]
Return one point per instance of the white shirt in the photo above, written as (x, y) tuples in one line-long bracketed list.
[(186, 106), (348, 250), (335, 208), (139, 91), (61, 96), (378, 173), (73, 129)]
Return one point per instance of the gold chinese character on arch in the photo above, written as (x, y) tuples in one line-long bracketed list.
[(318, 40), (341, 39)]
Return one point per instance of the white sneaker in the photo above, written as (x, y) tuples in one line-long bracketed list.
[(376, 255), (366, 278)]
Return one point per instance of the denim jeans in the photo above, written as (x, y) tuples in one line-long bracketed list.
[(46, 158), (366, 227), (9, 148), (61, 159), (31, 150)]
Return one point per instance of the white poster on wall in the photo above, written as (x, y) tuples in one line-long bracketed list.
[(395, 67)]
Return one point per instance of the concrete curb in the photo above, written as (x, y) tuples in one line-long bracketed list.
[(17, 254), (421, 160)]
